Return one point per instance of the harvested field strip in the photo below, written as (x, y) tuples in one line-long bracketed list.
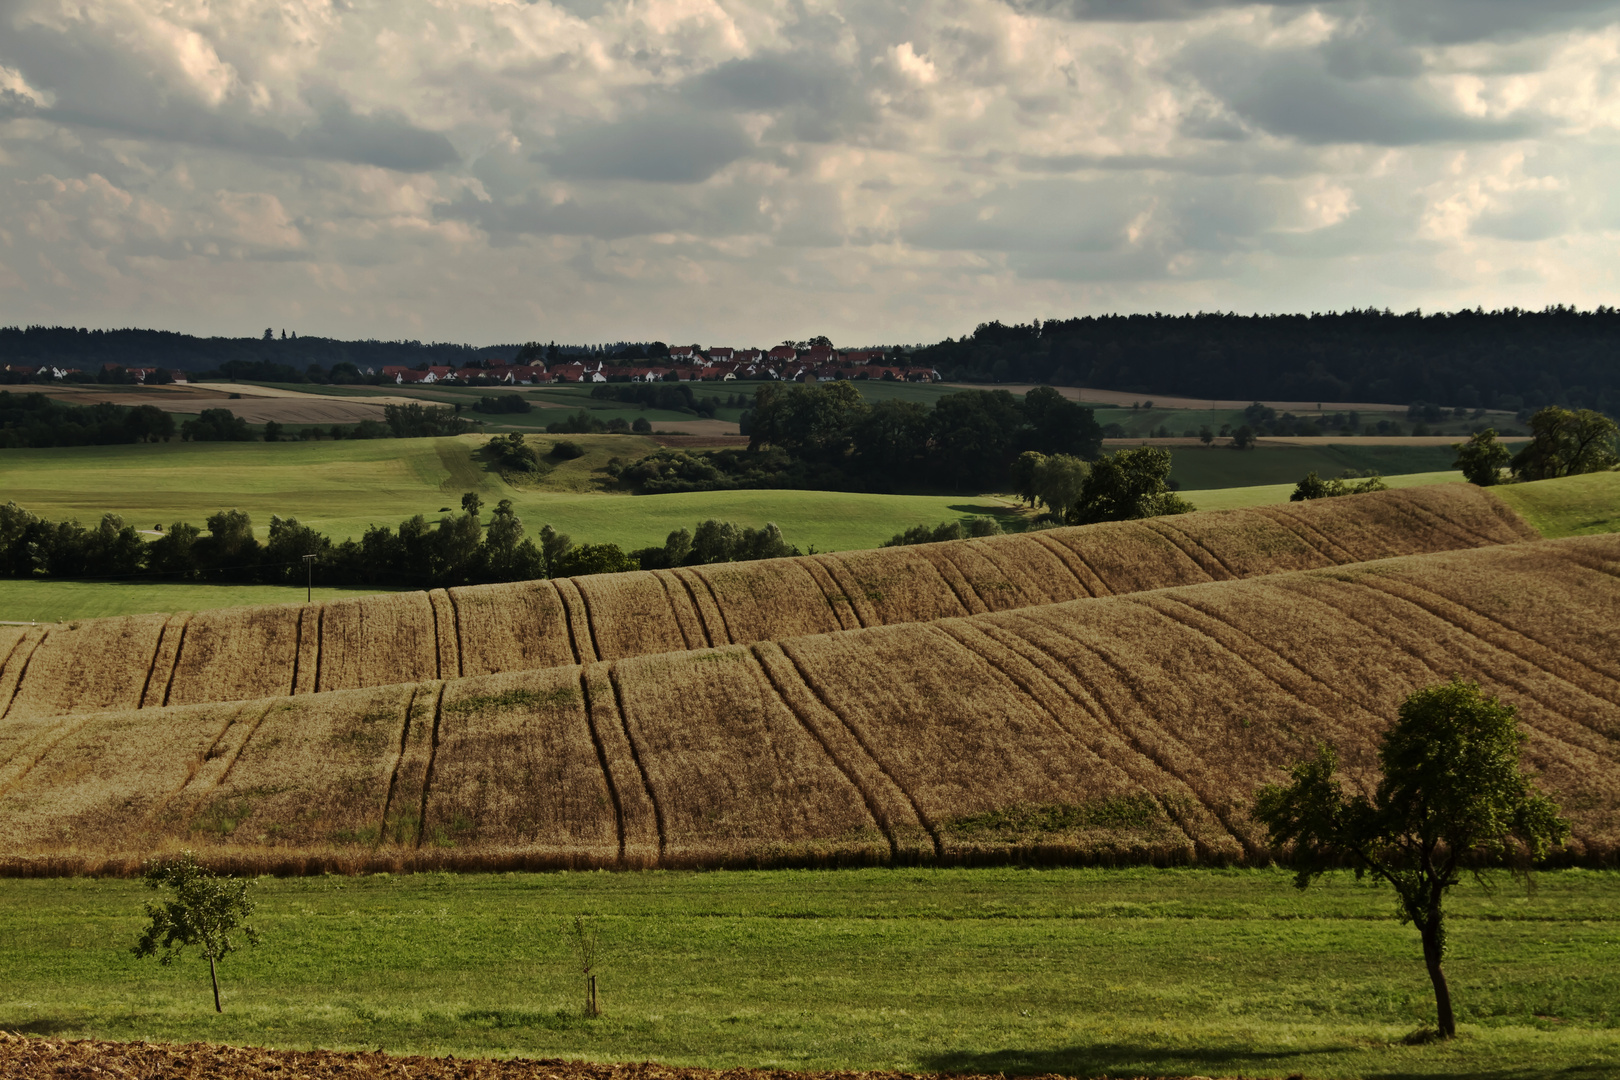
[(427, 774), (681, 610), (399, 758), (829, 710), (1107, 678), (1330, 549), (707, 618), (1169, 844), (1526, 646), (635, 757), (1072, 561), (890, 807), (477, 630), (579, 631), (1563, 702), (15, 668), (1124, 729), (515, 762), (1089, 724), (638, 817)]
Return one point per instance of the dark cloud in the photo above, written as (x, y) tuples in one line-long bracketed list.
[(385, 138), (1294, 94), (665, 147), (815, 101), (1523, 219), (1415, 21)]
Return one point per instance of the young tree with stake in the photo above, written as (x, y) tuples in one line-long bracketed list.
[(1452, 799), (203, 911)]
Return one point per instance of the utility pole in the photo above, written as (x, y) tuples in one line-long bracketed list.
[(309, 578)]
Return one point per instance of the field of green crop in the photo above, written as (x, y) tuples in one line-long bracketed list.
[(990, 971), (1198, 468)]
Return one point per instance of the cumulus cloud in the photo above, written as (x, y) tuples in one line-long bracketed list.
[(744, 169)]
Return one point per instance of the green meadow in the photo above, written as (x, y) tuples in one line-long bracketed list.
[(1011, 971)]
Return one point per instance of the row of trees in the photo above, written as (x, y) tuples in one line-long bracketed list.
[(34, 420), (826, 435), (458, 549)]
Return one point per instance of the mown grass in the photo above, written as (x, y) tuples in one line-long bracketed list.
[(1235, 498), (58, 601), (1015, 971), (1568, 506), (1203, 468), (341, 487)]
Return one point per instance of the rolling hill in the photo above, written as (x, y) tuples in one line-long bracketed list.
[(253, 652), (1130, 728)]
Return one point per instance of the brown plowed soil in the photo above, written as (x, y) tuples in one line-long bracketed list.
[(34, 1059)]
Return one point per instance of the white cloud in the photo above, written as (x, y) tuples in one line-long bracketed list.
[(746, 169)]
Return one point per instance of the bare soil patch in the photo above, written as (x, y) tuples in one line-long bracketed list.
[(33, 1059)]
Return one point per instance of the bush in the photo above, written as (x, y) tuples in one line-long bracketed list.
[(567, 450), (503, 403)]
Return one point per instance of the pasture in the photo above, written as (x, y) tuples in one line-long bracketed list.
[(340, 488), (987, 970)]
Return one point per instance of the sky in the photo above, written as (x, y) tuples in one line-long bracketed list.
[(748, 171)]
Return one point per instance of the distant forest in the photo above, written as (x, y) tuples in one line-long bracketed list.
[(1510, 359)]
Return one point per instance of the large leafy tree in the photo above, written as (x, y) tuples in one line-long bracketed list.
[(1452, 800), (1126, 485), (203, 910), (1564, 442)]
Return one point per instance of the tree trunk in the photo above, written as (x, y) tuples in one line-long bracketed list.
[(590, 1001), (214, 974), (1442, 993)]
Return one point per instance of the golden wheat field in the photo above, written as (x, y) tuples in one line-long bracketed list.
[(237, 654), (1131, 728)]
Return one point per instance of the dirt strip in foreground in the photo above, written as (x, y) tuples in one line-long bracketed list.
[(30, 1058)]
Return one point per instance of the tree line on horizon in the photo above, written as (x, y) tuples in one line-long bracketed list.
[(1510, 359)]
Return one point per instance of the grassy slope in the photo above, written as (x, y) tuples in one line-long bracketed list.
[(1267, 494), (58, 601), (1571, 506), (1076, 971), (1199, 469)]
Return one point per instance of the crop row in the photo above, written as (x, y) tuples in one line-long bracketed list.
[(1132, 728), (255, 652)]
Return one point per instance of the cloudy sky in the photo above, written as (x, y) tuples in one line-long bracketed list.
[(742, 171)]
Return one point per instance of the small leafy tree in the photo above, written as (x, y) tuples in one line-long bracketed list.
[(587, 943), (1481, 458), (203, 911), (1451, 799)]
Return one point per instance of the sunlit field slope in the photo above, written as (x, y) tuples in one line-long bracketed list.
[(1131, 728), (244, 653), (1073, 972), (340, 488)]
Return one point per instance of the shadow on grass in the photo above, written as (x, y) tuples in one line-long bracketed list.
[(982, 510), (41, 1026), (1108, 1059)]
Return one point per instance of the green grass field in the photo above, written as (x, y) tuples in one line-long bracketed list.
[(1206, 468), (1233, 498), (1011, 971), (1571, 506), (59, 601)]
